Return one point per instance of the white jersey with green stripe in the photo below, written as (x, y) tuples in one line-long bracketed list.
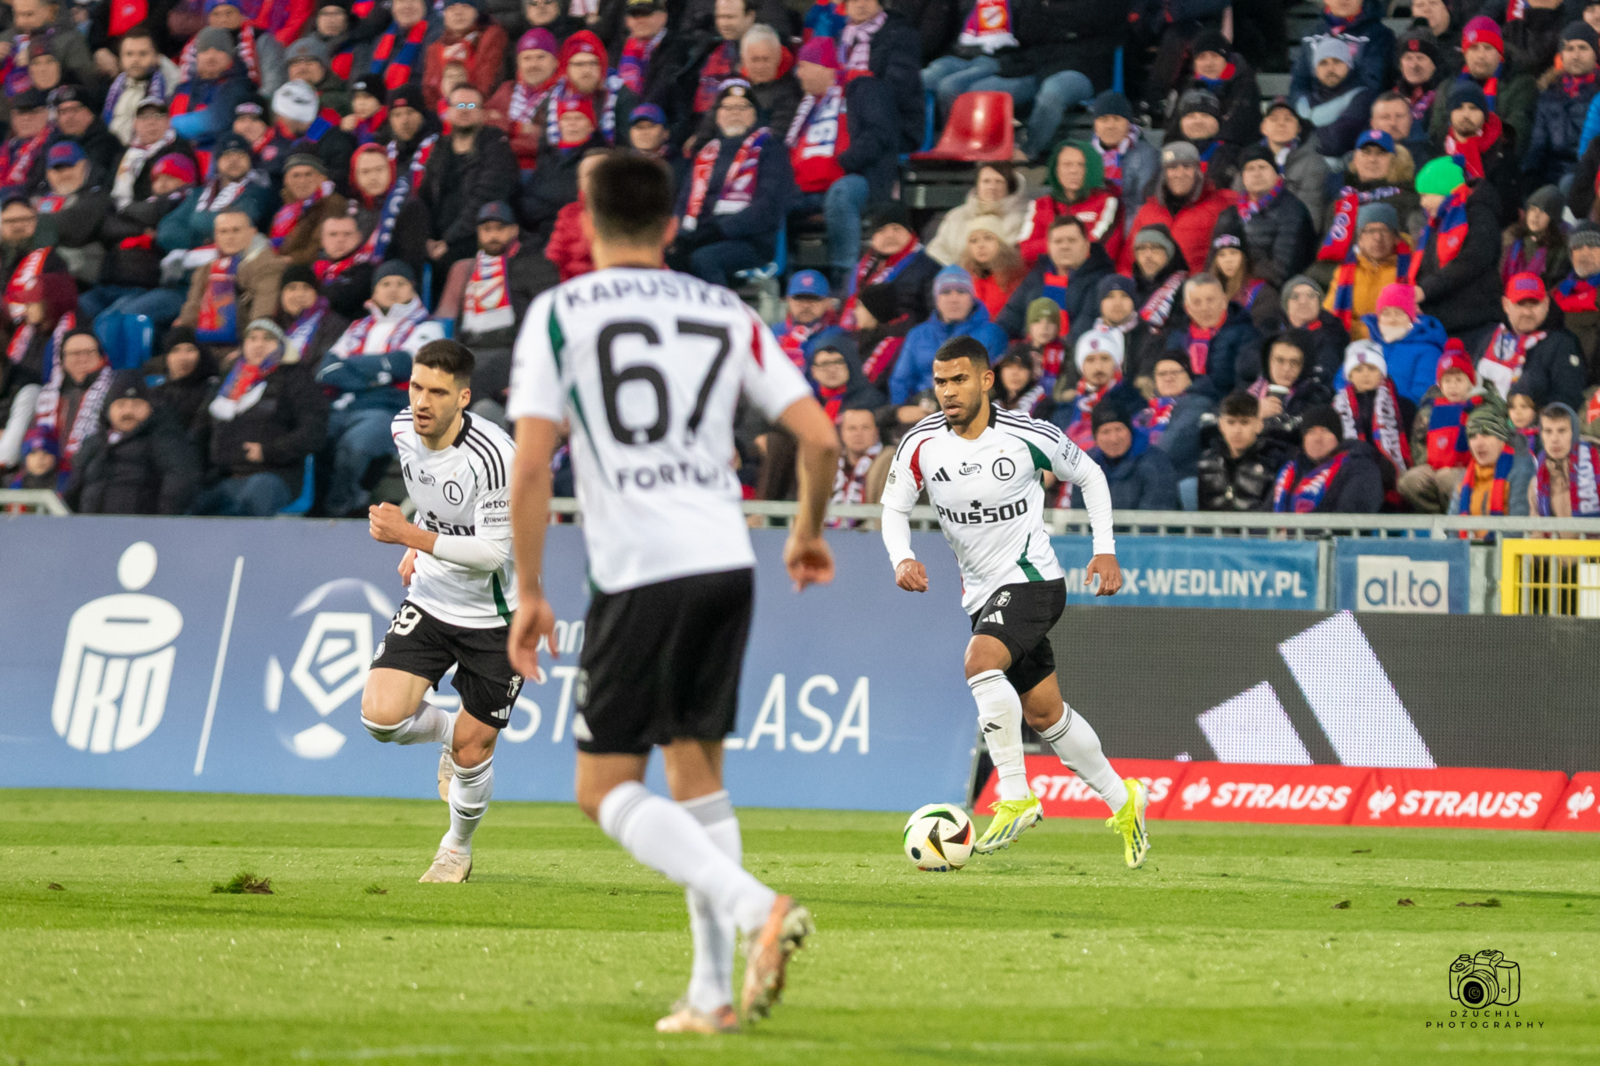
[(990, 499), (648, 366), (462, 490)]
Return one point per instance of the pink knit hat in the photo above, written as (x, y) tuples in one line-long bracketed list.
[(823, 51), (1400, 296)]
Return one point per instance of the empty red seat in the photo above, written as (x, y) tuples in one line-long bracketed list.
[(979, 130)]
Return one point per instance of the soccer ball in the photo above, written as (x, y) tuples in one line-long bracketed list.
[(938, 837)]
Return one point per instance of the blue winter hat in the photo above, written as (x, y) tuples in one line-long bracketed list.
[(809, 283), (1114, 283), (952, 279)]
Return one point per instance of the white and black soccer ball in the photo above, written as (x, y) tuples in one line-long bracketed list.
[(938, 837)]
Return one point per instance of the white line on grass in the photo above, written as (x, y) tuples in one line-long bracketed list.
[(222, 658)]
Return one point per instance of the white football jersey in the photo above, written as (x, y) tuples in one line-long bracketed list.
[(649, 365), (990, 499), (460, 491)]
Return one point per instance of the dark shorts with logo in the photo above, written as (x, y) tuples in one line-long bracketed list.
[(661, 663), (1021, 617), (418, 643)]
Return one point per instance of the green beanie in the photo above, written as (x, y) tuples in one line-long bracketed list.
[(1441, 177), (1490, 417)]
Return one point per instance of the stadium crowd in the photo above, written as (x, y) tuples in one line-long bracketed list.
[(227, 225)]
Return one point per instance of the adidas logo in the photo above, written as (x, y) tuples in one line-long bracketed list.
[(997, 618), (940, 475)]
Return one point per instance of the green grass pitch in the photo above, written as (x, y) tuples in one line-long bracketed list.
[(1227, 948)]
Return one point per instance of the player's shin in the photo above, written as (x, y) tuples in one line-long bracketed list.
[(711, 981), (429, 725), (1078, 746), (668, 839), (1000, 718), (470, 790)]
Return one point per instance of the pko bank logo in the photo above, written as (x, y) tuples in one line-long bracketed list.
[(116, 667), (329, 669), (1400, 585)]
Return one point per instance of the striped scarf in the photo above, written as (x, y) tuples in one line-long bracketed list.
[(605, 114), (525, 100), (1468, 152), (1573, 293), (1447, 227), (1081, 430), (719, 65), (1111, 158), (634, 66), (738, 185), (855, 44), (17, 157), (1158, 307), (1519, 260), (1341, 237), (1447, 433), (305, 325), (289, 215), (85, 421), (1254, 205), (486, 303), (395, 63), (22, 340), (875, 269), (419, 160), (1344, 281), (1388, 435), (157, 87), (1505, 355), (359, 330), (1292, 494), (1499, 490), (1582, 485), (218, 322)]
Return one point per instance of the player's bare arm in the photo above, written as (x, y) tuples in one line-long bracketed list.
[(534, 620), (806, 554)]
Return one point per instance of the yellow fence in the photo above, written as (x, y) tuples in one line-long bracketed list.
[(1559, 577)]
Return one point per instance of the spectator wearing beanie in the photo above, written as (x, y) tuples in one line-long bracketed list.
[(1185, 202), (1508, 92), (1423, 69), (512, 106), (471, 39), (1411, 342), (1128, 161), (1174, 417), (1290, 384), (1278, 235), (1456, 261), (233, 184), (1369, 45), (1302, 303), (1379, 171), (739, 184), (133, 258), (307, 317), (1076, 186), (1561, 111), (1140, 476), (310, 61), (1159, 271), (1373, 259), (1217, 69), (1439, 439), (1098, 359), (1215, 334), (957, 313), (894, 258), (183, 376), (398, 51), (1537, 242), (215, 84), (1304, 170), (260, 53), (365, 373), (841, 149), (1499, 470), (1230, 263), (1530, 351), (1371, 410), (258, 428), (1483, 146), (1337, 103), (1235, 472), (239, 285), (1000, 195), (1067, 274), (309, 196), (1043, 346), (1197, 121), (1576, 294), (1116, 300), (1330, 474), (140, 460)]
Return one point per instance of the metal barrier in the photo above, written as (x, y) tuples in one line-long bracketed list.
[(1559, 577), (38, 501)]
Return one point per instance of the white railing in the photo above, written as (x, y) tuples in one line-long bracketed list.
[(42, 501)]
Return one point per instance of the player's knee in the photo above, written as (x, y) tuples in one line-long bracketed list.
[(471, 751), (983, 656)]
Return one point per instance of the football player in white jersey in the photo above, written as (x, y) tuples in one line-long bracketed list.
[(461, 590), (648, 366), (982, 468)]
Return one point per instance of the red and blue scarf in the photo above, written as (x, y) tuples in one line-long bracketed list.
[(1388, 433), (1499, 491), (1251, 206), (794, 336), (720, 65), (634, 67), (1468, 152), (305, 325), (1341, 237), (1219, 84), (288, 216), (1518, 261), (1292, 494), (988, 27), (1156, 416), (394, 58), (1583, 481), (1081, 429), (1111, 158), (605, 112), (1447, 433), (1344, 281), (219, 307), (825, 18), (1447, 227), (1575, 294)]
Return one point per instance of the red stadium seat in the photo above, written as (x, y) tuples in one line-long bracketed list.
[(979, 130)]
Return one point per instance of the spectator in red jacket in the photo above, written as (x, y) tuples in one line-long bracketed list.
[(513, 106), (1183, 201), (470, 38), (568, 249), (1076, 177)]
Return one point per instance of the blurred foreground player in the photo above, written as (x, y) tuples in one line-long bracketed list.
[(460, 594), (982, 467), (669, 556)]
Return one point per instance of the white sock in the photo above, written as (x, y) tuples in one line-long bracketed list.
[(1000, 717), (711, 981), (668, 839), (429, 725), (470, 790), (1078, 745)]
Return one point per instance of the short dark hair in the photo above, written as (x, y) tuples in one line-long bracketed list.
[(1389, 97), (450, 357), (963, 348), (470, 87), (630, 198), (139, 32), (1069, 220), (82, 333), (1240, 405)]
